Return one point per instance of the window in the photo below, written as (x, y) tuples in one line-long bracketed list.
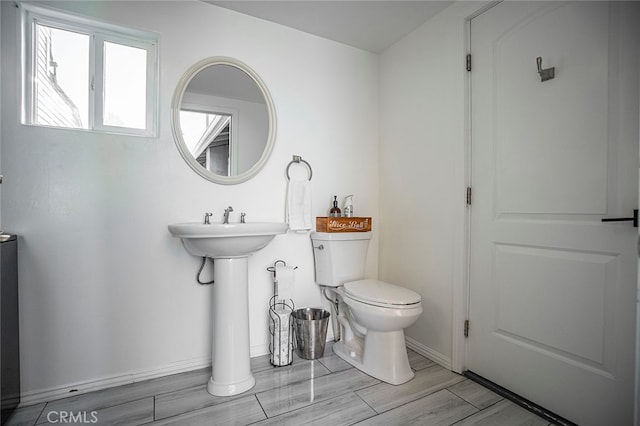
[(83, 74), (208, 138)]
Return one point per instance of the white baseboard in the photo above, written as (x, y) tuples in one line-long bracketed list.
[(50, 394), (259, 350), (428, 352)]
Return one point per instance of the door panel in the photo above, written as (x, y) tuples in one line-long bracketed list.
[(544, 127), (552, 289), (570, 288)]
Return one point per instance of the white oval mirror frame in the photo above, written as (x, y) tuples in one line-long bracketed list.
[(177, 132)]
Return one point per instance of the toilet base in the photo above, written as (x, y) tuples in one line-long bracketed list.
[(388, 360)]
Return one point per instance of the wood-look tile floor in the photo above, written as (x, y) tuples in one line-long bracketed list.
[(324, 391)]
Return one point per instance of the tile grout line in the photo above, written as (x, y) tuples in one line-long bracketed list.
[(340, 393), (250, 392), (40, 414), (472, 404), (418, 399), (367, 404), (183, 388), (478, 410), (255, 395)]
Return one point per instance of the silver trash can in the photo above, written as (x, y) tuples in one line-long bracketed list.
[(310, 327)]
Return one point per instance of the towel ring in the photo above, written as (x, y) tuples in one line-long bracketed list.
[(298, 159)]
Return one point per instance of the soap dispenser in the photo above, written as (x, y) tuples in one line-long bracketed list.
[(348, 206), (335, 210)]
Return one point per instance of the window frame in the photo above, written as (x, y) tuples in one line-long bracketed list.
[(99, 33)]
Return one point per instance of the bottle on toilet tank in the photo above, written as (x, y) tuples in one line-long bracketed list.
[(348, 206), (335, 210)]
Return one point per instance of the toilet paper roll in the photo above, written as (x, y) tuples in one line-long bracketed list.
[(281, 353), (284, 349), (285, 278), (275, 350), (282, 319)]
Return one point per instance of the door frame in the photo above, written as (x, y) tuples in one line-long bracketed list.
[(461, 283), (462, 244)]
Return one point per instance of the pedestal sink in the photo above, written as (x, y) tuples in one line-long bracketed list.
[(230, 245)]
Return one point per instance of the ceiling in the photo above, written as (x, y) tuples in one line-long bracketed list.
[(365, 24)]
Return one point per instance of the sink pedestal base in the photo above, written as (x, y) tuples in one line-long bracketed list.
[(230, 357)]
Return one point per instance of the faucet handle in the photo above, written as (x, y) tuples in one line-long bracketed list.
[(242, 217), (206, 218)]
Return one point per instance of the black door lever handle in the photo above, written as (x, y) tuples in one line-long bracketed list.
[(624, 219)]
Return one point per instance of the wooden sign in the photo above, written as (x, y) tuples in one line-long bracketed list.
[(343, 224)]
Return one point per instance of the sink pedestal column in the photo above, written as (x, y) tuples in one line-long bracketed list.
[(230, 357)]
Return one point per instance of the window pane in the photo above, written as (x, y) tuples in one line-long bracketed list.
[(194, 124), (61, 74), (125, 86), (207, 138)]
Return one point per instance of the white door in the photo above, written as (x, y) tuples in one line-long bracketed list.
[(552, 288)]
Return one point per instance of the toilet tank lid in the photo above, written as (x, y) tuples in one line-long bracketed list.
[(381, 292), (340, 236)]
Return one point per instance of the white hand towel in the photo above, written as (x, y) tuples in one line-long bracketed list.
[(298, 209), (284, 279)]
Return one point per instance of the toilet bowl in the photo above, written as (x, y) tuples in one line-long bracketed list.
[(371, 314)]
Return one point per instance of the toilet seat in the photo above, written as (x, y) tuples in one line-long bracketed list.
[(382, 294)]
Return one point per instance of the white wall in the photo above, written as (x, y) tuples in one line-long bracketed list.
[(105, 291), (422, 176)]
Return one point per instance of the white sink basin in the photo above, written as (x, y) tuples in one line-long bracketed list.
[(228, 240)]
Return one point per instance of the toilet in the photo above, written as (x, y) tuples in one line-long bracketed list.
[(371, 314)]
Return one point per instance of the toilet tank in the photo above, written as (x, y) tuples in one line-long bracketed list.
[(339, 257)]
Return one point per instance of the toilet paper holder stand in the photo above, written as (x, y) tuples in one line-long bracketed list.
[(281, 324)]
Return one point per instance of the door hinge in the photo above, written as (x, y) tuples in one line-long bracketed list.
[(468, 195), (466, 328), (468, 61)]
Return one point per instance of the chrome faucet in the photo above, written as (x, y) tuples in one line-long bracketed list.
[(206, 218), (226, 214)]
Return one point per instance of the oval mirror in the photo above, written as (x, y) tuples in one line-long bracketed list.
[(223, 120)]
